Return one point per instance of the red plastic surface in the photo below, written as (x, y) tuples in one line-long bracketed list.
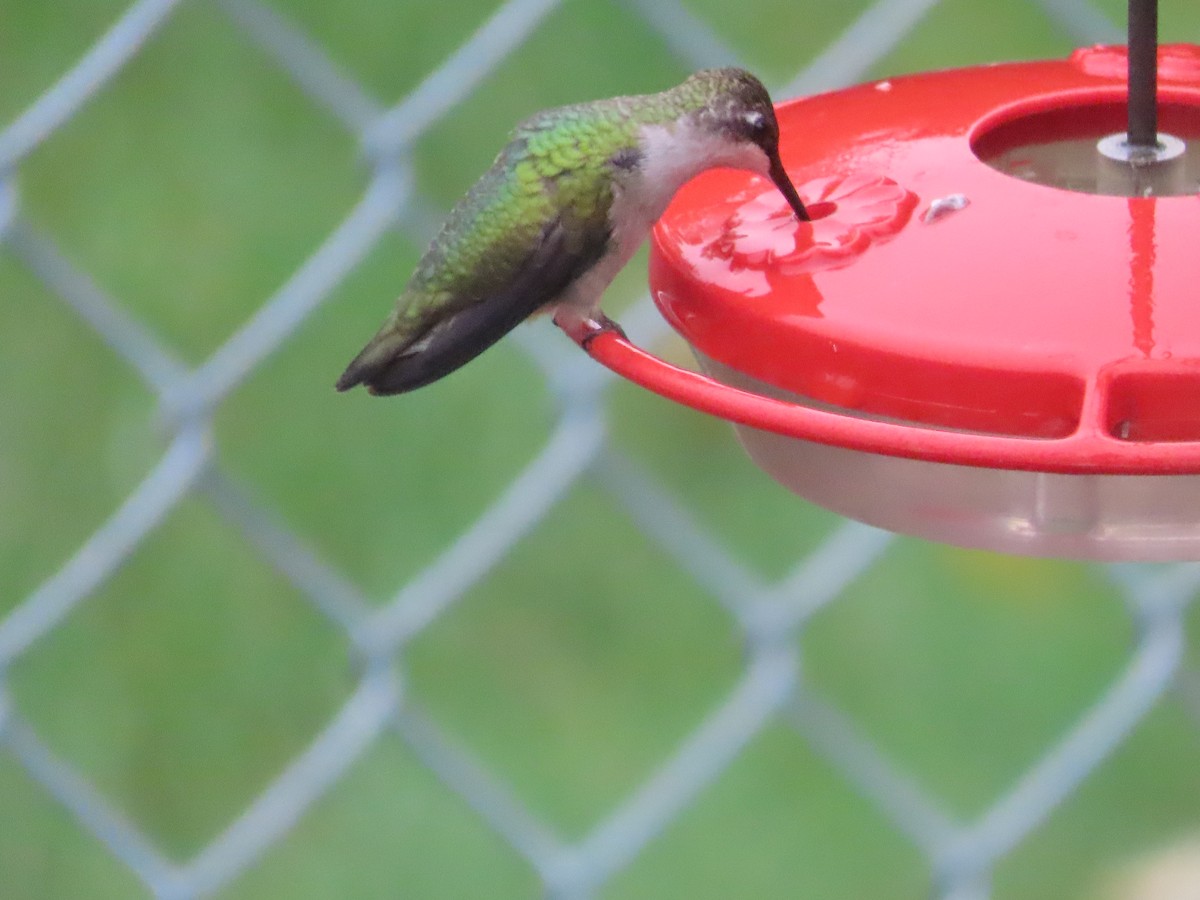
[(1088, 450), (1033, 328)]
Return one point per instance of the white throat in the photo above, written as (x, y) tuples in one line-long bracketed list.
[(670, 157), (673, 155)]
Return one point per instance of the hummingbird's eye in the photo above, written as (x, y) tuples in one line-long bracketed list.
[(756, 123)]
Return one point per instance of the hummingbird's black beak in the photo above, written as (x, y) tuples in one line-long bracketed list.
[(780, 177)]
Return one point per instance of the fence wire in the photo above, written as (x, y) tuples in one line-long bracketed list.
[(961, 853)]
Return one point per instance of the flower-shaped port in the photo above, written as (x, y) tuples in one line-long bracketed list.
[(761, 238)]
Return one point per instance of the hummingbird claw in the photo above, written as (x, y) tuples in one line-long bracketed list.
[(584, 329)]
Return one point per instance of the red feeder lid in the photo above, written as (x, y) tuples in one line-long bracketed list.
[(939, 307)]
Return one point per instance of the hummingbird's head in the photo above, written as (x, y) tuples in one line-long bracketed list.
[(739, 109)]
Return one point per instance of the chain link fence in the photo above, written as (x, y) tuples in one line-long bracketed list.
[(772, 614)]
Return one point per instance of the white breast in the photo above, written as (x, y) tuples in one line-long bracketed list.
[(671, 156)]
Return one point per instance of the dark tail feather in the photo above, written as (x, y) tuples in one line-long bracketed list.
[(390, 364)]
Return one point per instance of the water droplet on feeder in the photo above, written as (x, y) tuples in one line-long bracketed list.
[(945, 206)]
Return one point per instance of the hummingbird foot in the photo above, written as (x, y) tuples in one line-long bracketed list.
[(583, 328)]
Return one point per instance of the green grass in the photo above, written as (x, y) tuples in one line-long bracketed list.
[(190, 188)]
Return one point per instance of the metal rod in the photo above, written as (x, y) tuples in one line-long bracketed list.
[(1143, 73)]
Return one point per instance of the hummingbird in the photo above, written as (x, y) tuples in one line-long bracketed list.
[(560, 212)]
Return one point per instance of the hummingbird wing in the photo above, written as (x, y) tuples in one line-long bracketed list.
[(462, 335)]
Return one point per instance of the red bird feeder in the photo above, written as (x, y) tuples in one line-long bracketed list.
[(988, 335)]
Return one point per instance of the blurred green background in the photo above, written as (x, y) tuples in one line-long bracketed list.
[(191, 188)]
